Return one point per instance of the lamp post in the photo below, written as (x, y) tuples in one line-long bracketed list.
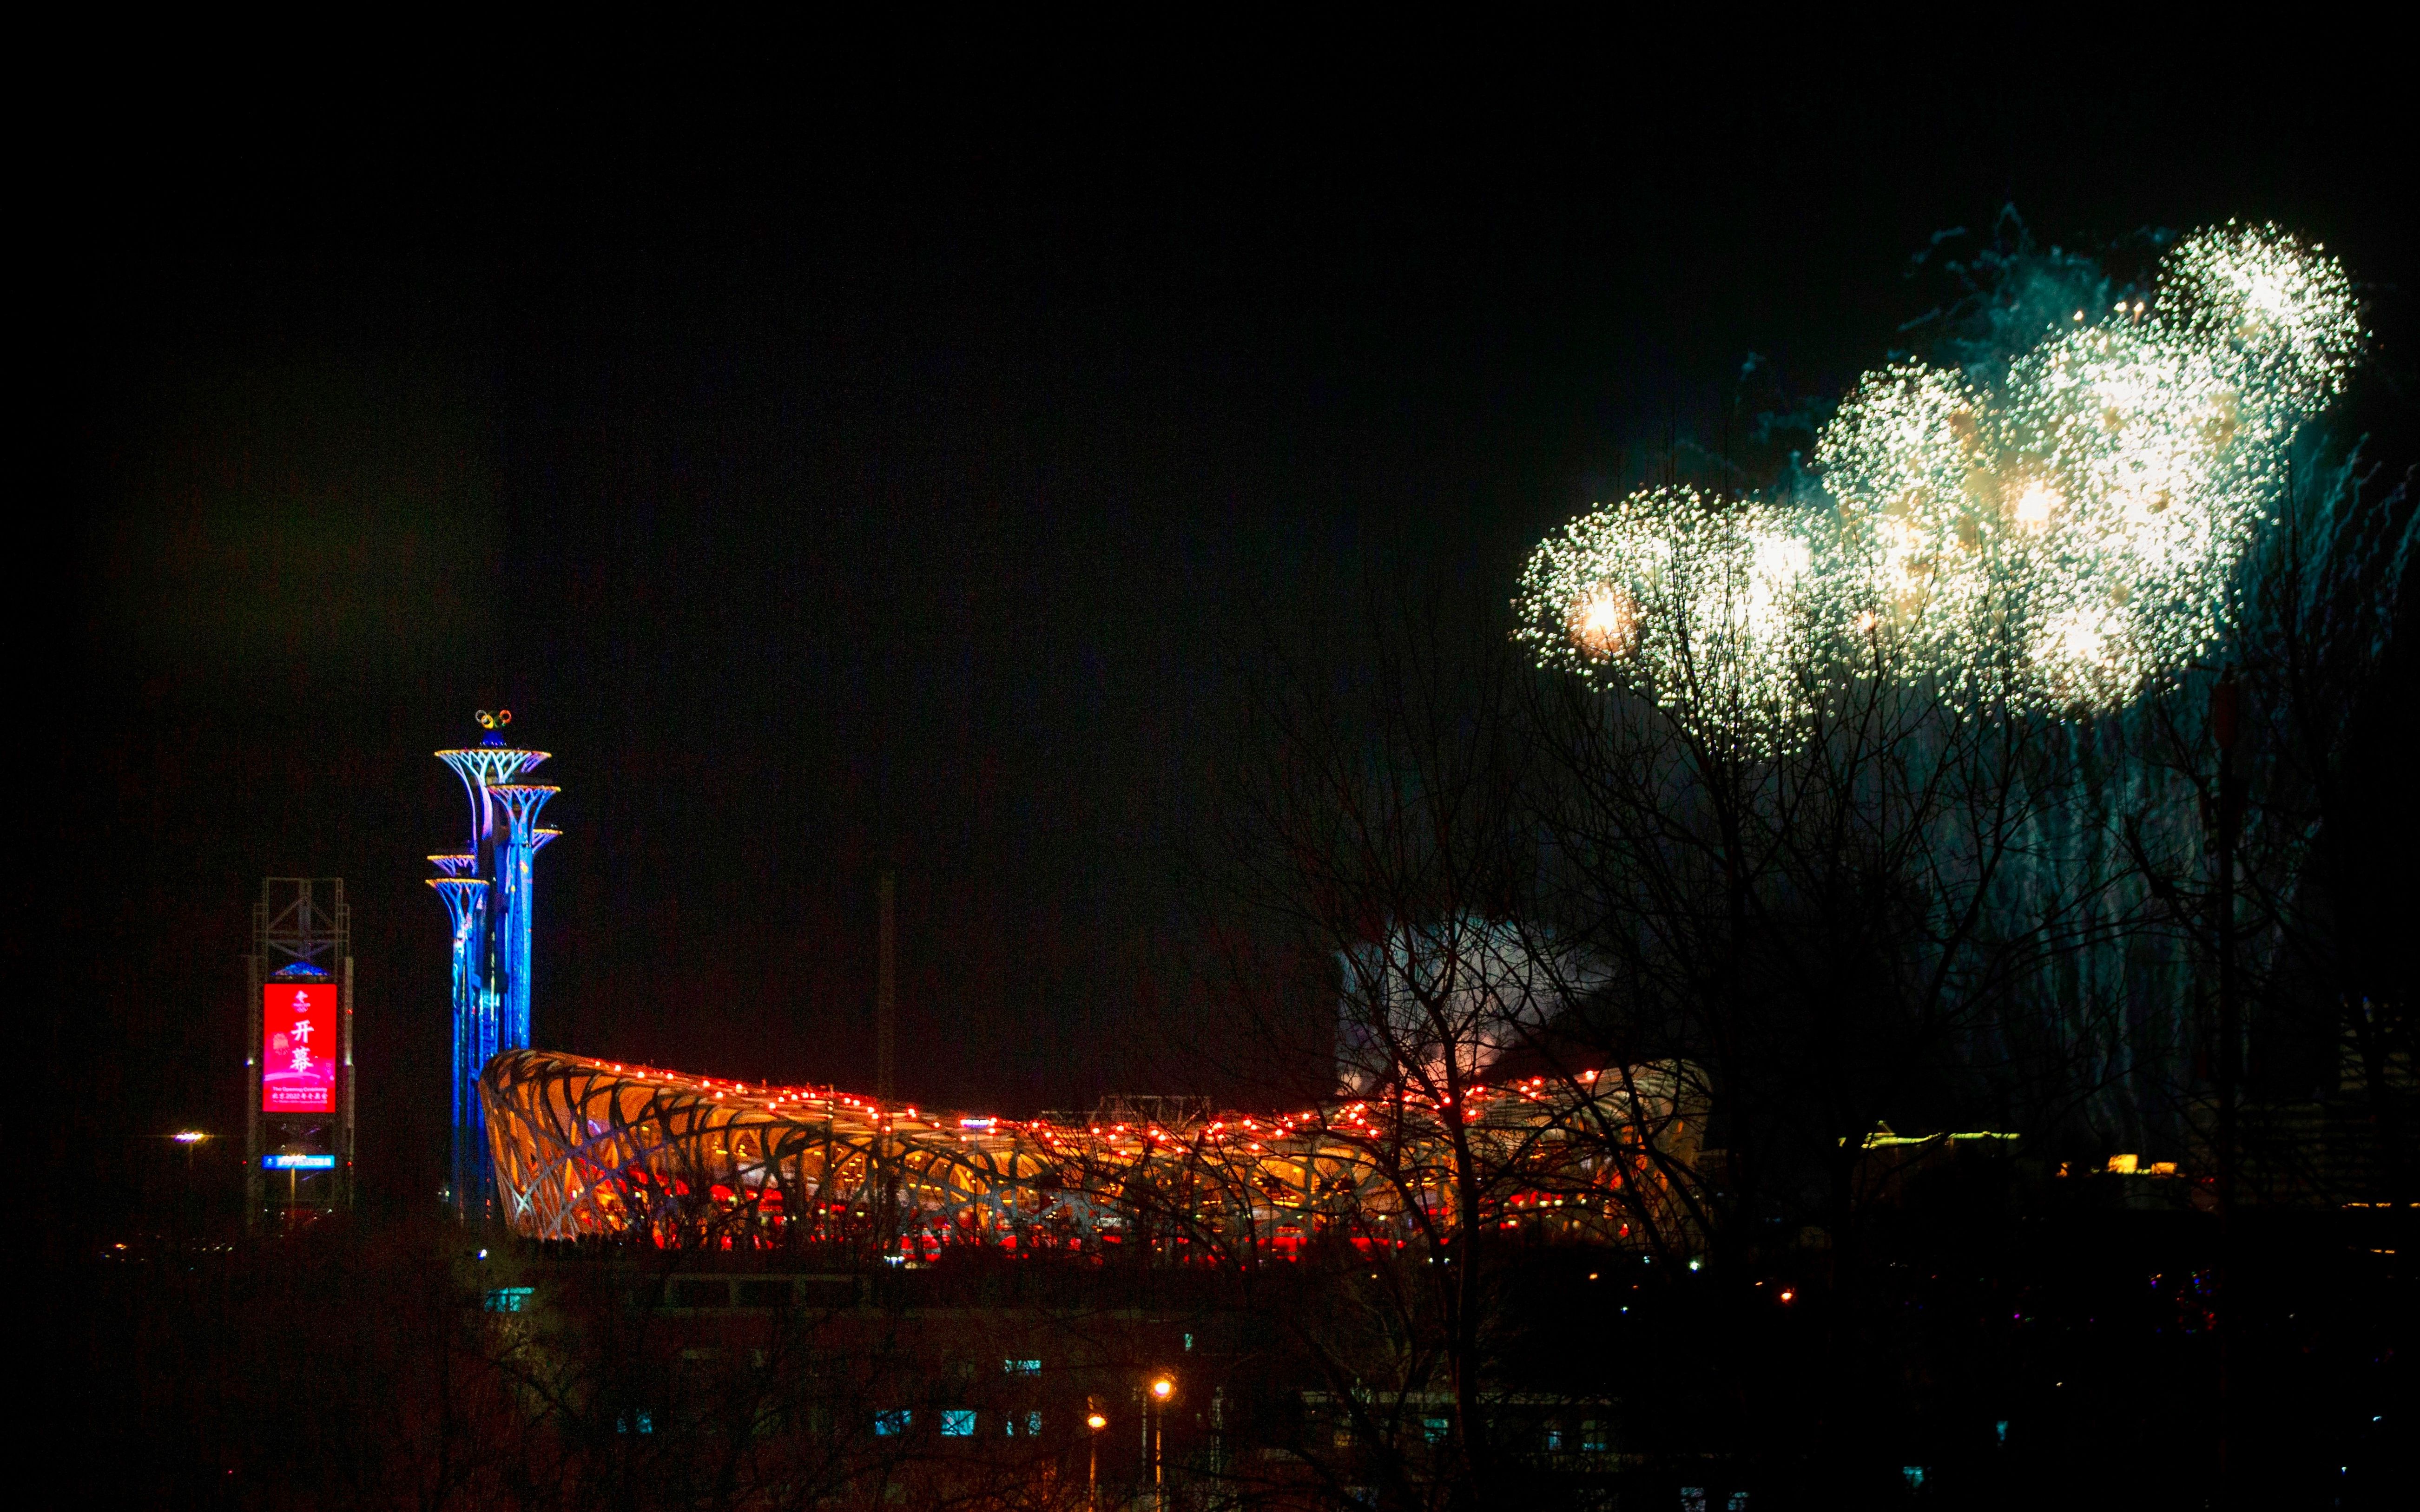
[(1162, 1388), (1096, 1422), (193, 1140)]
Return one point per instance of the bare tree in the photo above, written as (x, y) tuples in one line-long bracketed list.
[(1833, 923), (2281, 925), (1381, 843)]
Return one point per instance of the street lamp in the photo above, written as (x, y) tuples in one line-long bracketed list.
[(1094, 1420), (1162, 1388), (193, 1140)]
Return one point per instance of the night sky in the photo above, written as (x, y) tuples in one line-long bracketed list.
[(837, 478)]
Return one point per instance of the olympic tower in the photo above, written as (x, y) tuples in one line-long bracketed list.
[(489, 896)]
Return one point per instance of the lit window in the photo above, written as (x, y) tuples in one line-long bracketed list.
[(886, 1423), (958, 1424), (506, 1299), (1434, 1430), (1915, 1474), (1593, 1437), (1553, 1441), (1021, 1367), (1032, 1425)]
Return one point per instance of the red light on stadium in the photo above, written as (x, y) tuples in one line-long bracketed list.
[(298, 1047)]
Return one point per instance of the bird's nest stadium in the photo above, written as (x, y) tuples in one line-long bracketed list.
[(592, 1149)]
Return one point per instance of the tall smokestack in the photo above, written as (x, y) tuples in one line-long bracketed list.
[(886, 996)]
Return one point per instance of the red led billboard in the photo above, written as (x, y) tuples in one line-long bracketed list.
[(298, 1047)]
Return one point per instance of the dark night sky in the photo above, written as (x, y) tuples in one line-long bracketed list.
[(838, 474)]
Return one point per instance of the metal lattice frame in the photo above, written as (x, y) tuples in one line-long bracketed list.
[(589, 1149), (302, 930)]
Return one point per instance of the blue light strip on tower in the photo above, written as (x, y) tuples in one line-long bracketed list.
[(298, 1163), (520, 805), (466, 904)]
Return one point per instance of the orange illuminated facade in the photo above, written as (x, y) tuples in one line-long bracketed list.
[(592, 1148)]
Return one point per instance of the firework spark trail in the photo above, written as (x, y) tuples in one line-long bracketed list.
[(2057, 539)]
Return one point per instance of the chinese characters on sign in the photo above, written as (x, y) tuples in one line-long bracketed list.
[(298, 1047)]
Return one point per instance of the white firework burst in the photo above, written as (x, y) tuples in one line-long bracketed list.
[(2057, 539), (1706, 605)]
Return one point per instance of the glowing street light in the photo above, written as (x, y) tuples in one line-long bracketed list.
[(1162, 1388), (193, 1139), (1094, 1420)]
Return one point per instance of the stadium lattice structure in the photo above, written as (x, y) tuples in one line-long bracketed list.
[(594, 1149)]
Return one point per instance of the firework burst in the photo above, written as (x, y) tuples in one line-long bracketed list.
[(2055, 538)]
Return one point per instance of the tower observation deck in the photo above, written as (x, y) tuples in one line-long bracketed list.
[(489, 893)]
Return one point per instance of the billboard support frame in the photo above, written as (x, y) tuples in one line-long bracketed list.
[(302, 931)]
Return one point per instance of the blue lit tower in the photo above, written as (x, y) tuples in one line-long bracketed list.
[(490, 898), (517, 805), (466, 904)]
